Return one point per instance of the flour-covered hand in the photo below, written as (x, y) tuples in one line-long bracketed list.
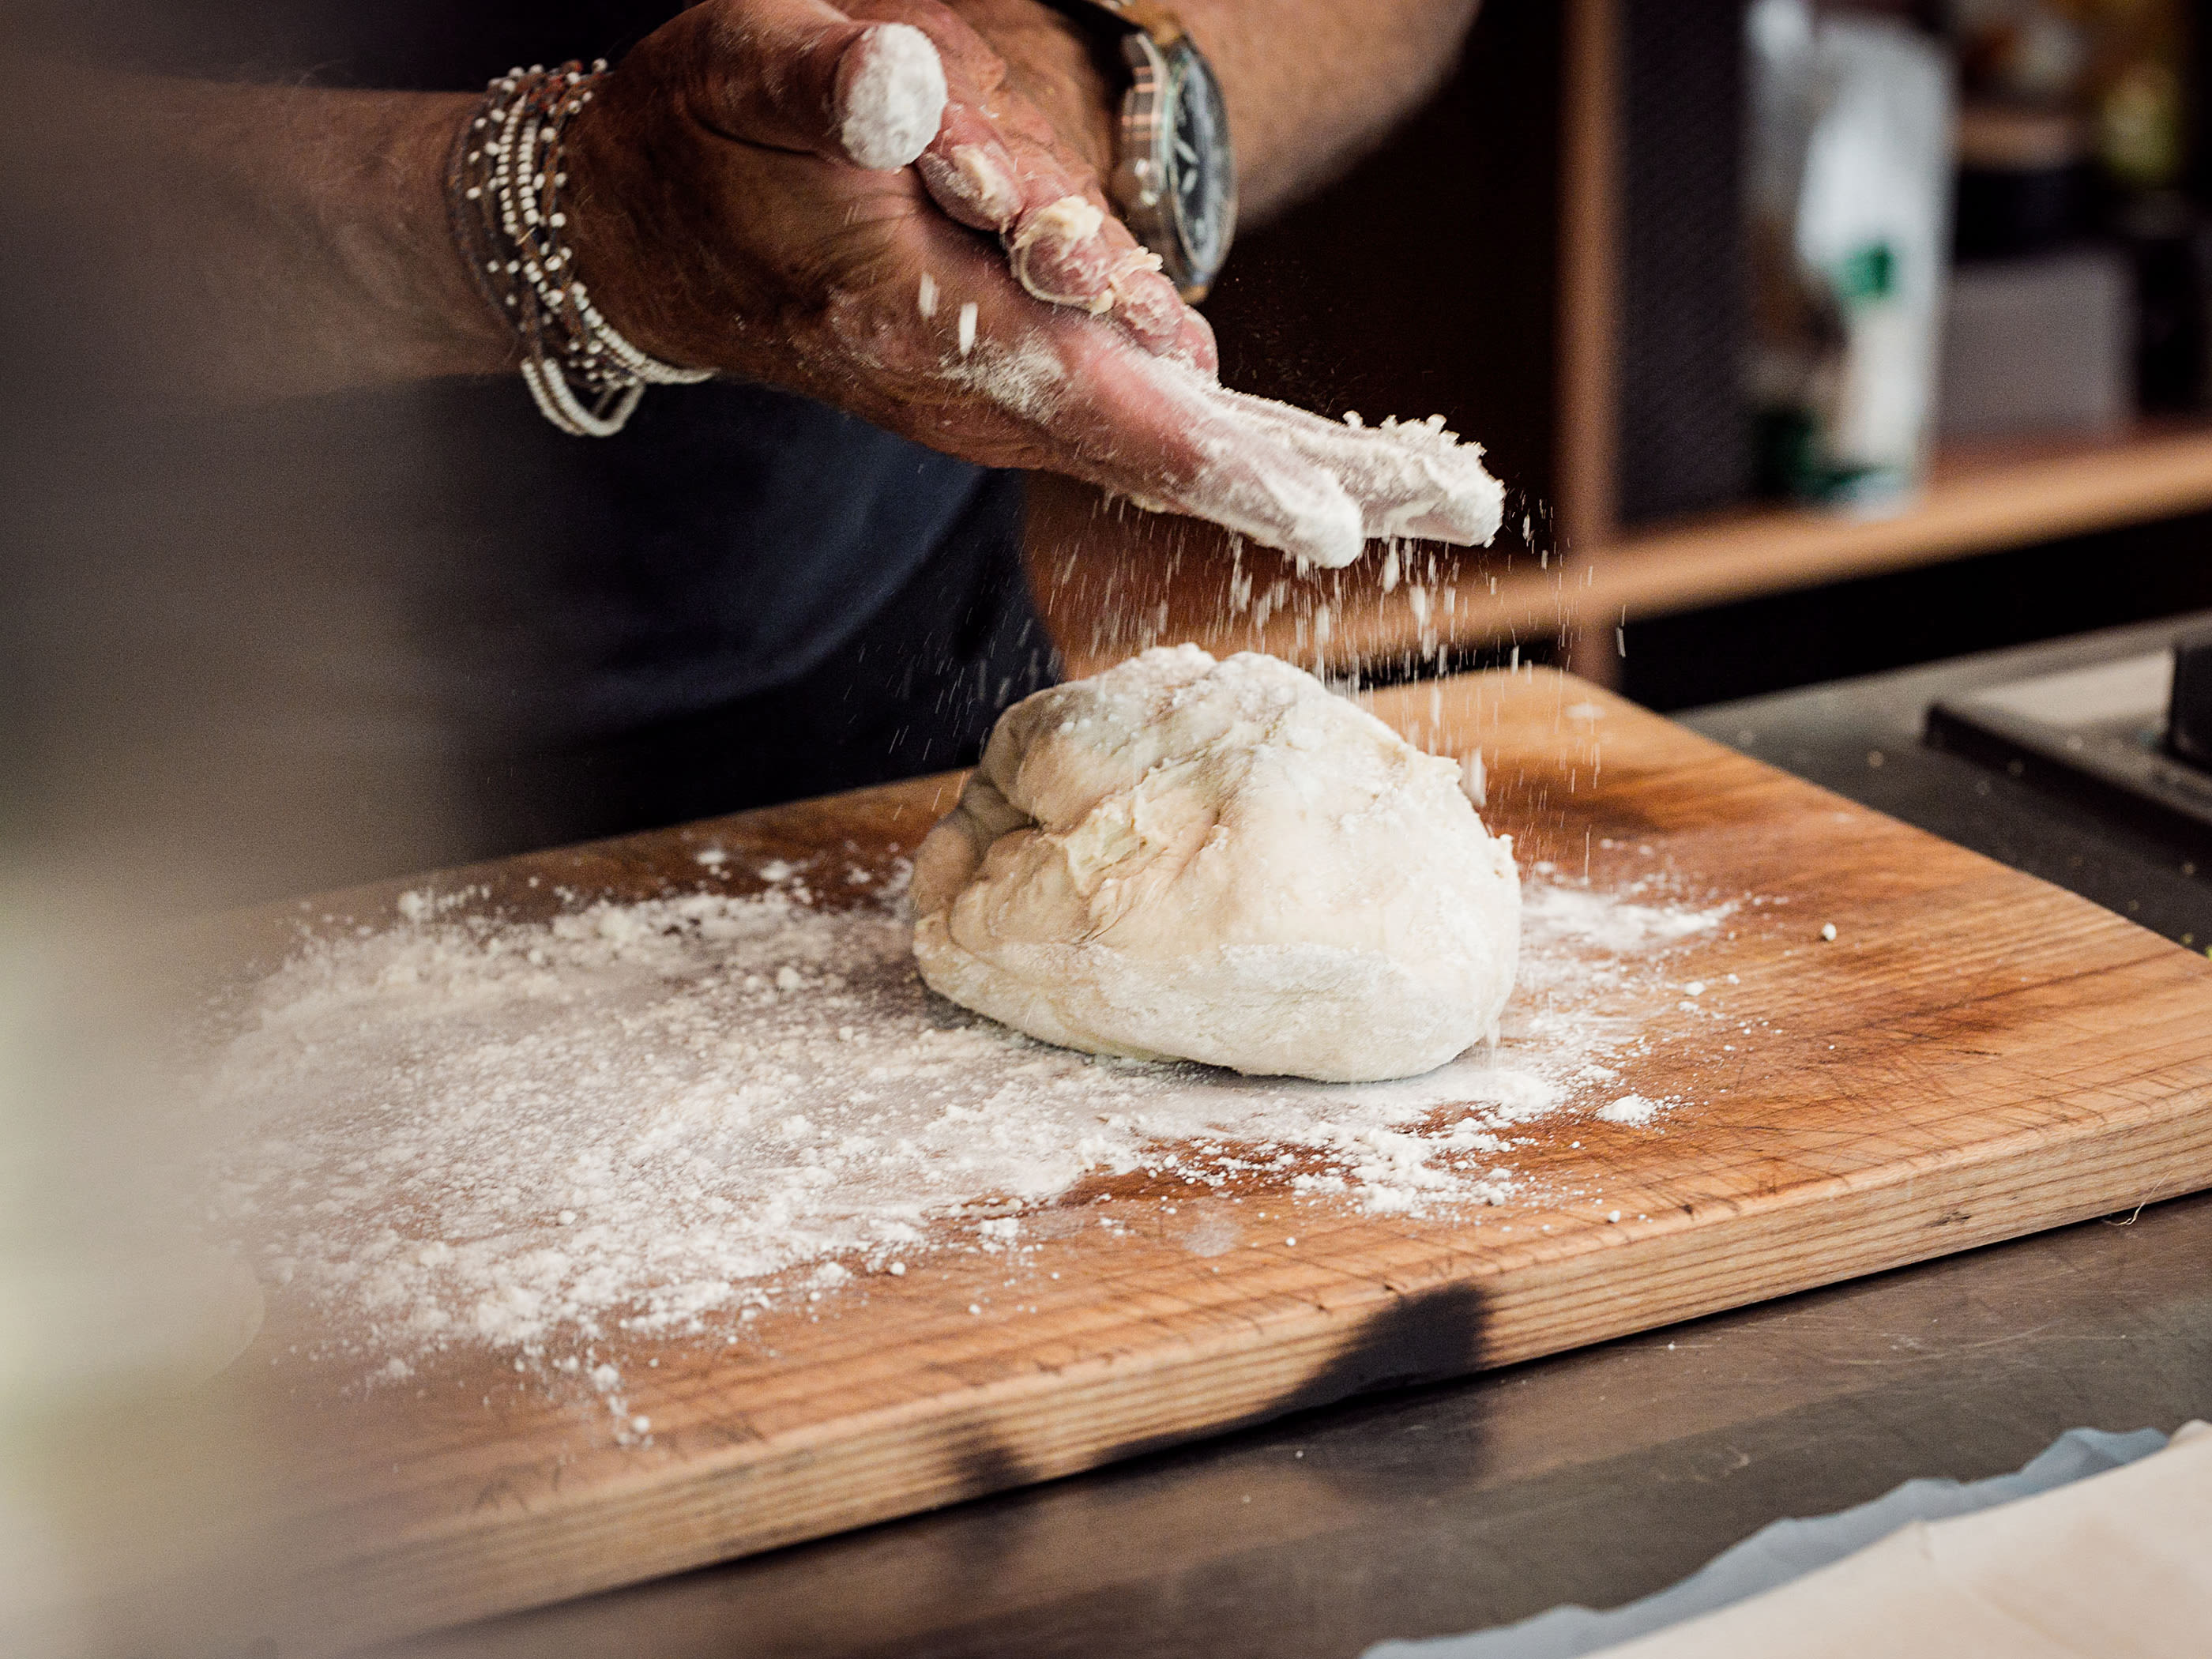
[(739, 199)]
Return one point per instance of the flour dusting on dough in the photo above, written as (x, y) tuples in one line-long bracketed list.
[(1225, 862)]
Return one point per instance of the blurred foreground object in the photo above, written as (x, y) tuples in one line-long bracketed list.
[(195, 706), (2096, 1546), (128, 1471), (1849, 199)]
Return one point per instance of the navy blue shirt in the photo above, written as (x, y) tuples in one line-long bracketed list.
[(723, 544)]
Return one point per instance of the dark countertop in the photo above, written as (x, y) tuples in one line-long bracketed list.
[(1862, 739), (1598, 1476)]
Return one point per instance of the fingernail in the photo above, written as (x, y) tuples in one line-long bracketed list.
[(983, 176), (1059, 256), (890, 96)]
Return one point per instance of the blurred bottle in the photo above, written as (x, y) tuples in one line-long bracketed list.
[(1850, 205)]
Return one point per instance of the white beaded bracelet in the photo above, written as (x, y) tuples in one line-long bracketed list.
[(504, 193)]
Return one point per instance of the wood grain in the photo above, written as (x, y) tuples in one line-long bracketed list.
[(1977, 1055)]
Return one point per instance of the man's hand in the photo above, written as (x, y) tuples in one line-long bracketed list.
[(720, 220), (732, 205), (722, 152)]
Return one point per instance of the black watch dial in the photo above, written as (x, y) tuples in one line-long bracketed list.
[(1201, 174)]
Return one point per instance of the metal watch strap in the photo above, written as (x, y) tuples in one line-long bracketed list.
[(1139, 189)]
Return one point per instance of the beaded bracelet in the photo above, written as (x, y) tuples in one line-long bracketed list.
[(503, 194)]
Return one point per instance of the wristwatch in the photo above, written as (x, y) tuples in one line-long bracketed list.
[(1175, 178)]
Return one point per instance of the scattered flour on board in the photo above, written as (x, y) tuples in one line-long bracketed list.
[(659, 1117), (1637, 1109)]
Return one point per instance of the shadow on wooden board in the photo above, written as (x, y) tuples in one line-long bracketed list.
[(1423, 1337), (896, 1587)]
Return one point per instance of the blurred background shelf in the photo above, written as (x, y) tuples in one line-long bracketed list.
[(1552, 255), (1981, 497)]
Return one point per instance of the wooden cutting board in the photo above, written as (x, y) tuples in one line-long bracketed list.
[(1976, 1056)]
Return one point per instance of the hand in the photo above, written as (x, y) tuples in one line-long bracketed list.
[(730, 208)]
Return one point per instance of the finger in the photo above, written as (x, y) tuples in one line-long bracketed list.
[(1153, 311), (1411, 478), (1154, 430), (800, 74), (1246, 478), (998, 164), (889, 96), (1068, 249), (968, 171), (966, 166)]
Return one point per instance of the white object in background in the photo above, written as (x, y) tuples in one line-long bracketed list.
[(2039, 344), (1872, 218), (2117, 1566), (1850, 190)]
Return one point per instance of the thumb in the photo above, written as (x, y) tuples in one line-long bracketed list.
[(800, 74)]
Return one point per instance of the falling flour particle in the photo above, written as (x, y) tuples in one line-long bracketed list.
[(662, 1117), (967, 326)]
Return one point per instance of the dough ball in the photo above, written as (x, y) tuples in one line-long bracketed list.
[(1224, 862)]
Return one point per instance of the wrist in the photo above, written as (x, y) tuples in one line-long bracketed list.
[(506, 197), (415, 270)]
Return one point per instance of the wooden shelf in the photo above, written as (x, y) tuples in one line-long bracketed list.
[(1981, 497)]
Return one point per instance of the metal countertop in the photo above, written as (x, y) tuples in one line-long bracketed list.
[(1862, 739)]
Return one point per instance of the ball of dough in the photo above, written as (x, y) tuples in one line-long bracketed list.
[(1225, 862)]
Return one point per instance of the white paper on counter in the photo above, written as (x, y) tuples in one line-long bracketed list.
[(2102, 1561)]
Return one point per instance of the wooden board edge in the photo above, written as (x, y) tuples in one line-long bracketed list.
[(1038, 1427)]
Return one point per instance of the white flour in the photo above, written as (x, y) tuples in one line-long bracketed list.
[(1319, 489), (892, 96), (1314, 489), (657, 1116)]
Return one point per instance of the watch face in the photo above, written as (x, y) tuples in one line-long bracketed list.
[(1201, 175)]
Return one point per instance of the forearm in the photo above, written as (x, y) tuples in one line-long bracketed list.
[(272, 241), (282, 241), (1312, 85)]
